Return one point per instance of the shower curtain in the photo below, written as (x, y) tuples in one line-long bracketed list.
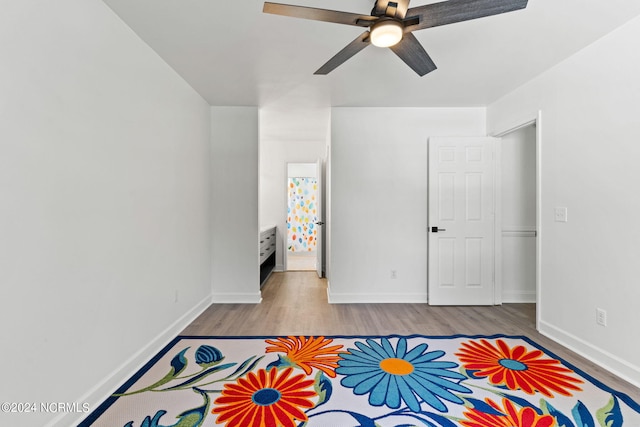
[(302, 215)]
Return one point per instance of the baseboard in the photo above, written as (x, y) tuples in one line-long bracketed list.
[(518, 297), (617, 366), (375, 298), (236, 298), (519, 231), (103, 390)]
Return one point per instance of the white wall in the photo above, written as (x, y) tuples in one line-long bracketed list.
[(234, 142), (104, 204), (283, 140), (379, 198), (590, 132), (518, 182), (302, 170)]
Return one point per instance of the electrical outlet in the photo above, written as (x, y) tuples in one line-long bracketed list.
[(560, 214), (394, 274), (601, 317)]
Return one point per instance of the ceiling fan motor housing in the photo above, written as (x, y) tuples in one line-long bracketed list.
[(386, 32)]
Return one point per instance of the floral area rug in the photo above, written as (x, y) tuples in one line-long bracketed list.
[(400, 381)]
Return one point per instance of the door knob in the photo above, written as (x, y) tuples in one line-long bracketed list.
[(436, 229), (319, 223)]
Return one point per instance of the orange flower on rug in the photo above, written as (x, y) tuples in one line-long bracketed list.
[(508, 416), (517, 368), (307, 353), (265, 399)]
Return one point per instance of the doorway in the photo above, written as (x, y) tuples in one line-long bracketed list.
[(303, 234), (519, 215)]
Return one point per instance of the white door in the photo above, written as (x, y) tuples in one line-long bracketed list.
[(461, 221), (320, 222)]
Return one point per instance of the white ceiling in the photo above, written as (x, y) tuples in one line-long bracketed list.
[(233, 54)]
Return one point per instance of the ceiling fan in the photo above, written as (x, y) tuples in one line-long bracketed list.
[(391, 24)]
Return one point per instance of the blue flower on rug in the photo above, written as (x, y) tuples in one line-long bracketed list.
[(391, 376), (207, 355)]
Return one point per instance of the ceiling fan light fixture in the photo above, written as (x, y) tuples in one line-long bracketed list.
[(386, 33)]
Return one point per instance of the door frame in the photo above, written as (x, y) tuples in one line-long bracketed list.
[(537, 121), (318, 166)]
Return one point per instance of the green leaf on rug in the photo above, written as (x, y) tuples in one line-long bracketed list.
[(610, 415), (195, 417), (323, 388), (200, 376), (189, 418), (178, 364)]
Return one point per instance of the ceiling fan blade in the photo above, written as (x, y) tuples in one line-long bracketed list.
[(350, 50), (319, 14), (399, 8), (413, 54), (448, 12)]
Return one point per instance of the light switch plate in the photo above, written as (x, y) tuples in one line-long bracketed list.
[(560, 214)]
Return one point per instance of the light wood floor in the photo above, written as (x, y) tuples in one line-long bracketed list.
[(295, 303)]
